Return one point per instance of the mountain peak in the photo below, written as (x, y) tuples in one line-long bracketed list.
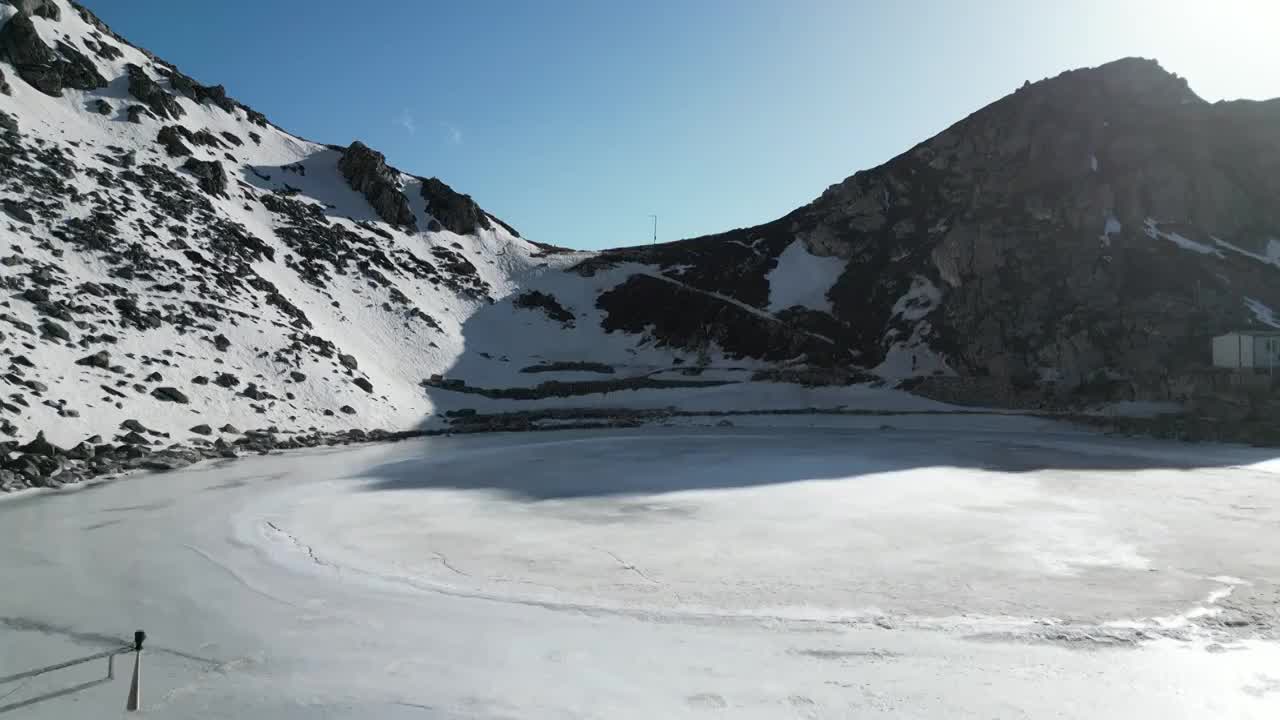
[(1134, 79)]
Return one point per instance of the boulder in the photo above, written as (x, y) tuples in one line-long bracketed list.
[(100, 359), (348, 361), (348, 409), (363, 384), (297, 376), (226, 380), (170, 394), (135, 438), (202, 429), (230, 429), (17, 212), (102, 107), (49, 328)]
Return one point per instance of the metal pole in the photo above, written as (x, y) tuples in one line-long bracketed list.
[(134, 703)]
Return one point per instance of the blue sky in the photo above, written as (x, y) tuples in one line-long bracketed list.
[(574, 120)]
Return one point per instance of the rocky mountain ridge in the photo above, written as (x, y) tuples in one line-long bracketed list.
[(172, 260)]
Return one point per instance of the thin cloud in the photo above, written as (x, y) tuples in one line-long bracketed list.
[(405, 120), (452, 133)]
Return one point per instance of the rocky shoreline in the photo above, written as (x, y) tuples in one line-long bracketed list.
[(42, 464)]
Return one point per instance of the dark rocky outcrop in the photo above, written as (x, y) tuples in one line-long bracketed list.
[(40, 8), (137, 112), (102, 107), (212, 94), (367, 172), (44, 68), (149, 92), (537, 300), (171, 138), (213, 179), (454, 211)]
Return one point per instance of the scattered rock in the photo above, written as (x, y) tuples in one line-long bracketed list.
[(297, 376), (348, 409), (202, 429), (348, 361), (226, 380), (200, 380), (221, 342), (363, 384), (102, 107), (229, 428)]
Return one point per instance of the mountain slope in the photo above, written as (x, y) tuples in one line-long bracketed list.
[(169, 256), (1103, 221)]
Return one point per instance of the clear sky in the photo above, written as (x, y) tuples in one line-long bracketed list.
[(574, 120)]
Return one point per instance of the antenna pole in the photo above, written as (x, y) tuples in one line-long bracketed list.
[(655, 229)]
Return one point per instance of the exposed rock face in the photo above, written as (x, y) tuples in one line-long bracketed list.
[(367, 172), (40, 8), (44, 68), (454, 211), (161, 103), (1015, 244), (213, 179)]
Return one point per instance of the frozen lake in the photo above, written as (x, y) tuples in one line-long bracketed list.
[(919, 571)]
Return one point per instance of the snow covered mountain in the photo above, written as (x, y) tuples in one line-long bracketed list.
[(171, 257)]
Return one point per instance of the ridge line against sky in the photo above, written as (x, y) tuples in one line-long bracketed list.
[(575, 120)]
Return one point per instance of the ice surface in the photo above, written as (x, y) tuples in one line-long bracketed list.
[(802, 572)]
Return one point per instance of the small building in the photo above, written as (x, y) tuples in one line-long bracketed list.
[(1247, 350)]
